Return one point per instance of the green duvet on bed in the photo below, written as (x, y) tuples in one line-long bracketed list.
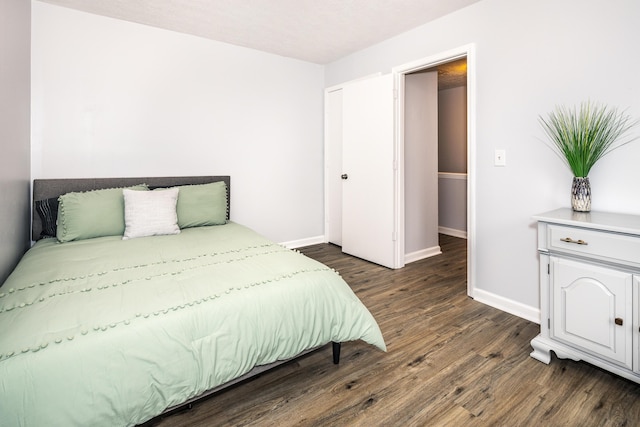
[(112, 332)]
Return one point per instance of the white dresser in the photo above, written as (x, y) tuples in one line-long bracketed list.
[(590, 289)]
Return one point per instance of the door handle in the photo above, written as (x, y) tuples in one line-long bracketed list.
[(344, 176), (618, 321)]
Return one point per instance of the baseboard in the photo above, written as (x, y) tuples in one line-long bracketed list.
[(303, 242), (510, 306), (452, 232), (422, 254)]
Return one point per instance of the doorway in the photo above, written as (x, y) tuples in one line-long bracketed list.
[(435, 145), (466, 53)]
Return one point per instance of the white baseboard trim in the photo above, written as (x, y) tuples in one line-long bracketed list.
[(293, 244), (526, 312), (452, 232), (422, 254)]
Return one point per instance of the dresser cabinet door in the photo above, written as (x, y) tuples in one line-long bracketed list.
[(592, 309)]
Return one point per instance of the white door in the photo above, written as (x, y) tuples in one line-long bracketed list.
[(369, 175)]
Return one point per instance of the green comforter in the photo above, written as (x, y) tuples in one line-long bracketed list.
[(112, 332)]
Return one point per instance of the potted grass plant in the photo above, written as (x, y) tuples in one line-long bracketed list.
[(583, 135)]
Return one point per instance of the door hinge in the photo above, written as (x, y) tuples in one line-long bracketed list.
[(395, 94), (394, 236), (549, 323), (548, 269)]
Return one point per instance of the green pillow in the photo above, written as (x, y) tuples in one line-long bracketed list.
[(97, 213), (203, 204)]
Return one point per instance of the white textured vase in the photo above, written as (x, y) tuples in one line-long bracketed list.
[(581, 194)]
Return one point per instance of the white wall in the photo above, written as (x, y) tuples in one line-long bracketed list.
[(531, 55), (15, 26), (114, 98)]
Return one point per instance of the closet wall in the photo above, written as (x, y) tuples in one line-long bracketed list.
[(452, 161), (421, 165)]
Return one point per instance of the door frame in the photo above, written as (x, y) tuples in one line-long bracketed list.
[(399, 74)]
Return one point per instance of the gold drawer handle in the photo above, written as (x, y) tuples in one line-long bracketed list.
[(577, 242)]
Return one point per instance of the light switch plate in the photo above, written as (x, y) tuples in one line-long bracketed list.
[(500, 158)]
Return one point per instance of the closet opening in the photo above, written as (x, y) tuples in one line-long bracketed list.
[(435, 157), (435, 143)]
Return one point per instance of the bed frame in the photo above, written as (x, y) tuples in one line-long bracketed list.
[(49, 188)]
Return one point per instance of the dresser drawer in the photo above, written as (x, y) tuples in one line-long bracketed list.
[(598, 244)]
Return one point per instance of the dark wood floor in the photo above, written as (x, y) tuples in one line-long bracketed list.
[(451, 361)]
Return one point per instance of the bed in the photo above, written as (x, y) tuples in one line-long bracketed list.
[(116, 329)]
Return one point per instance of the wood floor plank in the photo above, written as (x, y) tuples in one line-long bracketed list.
[(451, 361)]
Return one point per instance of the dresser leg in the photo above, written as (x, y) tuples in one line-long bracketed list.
[(541, 351)]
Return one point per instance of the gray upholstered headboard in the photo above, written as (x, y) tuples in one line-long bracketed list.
[(48, 188)]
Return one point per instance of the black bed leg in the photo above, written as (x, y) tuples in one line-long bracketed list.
[(336, 352)]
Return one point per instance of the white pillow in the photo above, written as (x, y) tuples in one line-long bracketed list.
[(150, 213)]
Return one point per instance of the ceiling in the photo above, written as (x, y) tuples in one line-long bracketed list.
[(451, 74), (318, 31)]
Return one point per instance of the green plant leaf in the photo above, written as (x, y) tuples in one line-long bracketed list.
[(582, 136)]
